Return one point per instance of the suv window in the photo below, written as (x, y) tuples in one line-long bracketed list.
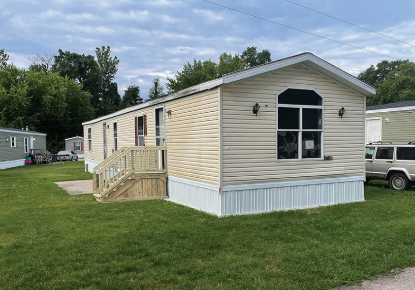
[(369, 152), (384, 153), (405, 153)]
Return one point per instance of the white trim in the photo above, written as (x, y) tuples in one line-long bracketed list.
[(220, 100), (26, 145), (237, 76), (300, 130), (291, 183), (115, 139), (89, 139), (11, 142), (164, 125), (390, 110), (12, 163), (22, 132), (77, 137), (194, 183), (144, 136)]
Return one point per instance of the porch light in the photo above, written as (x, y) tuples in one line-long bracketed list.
[(255, 109), (341, 112)]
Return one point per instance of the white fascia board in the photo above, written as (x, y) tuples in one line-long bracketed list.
[(391, 110), (290, 183), (180, 94), (344, 75), (295, 60), (22, 132), (77, 137)]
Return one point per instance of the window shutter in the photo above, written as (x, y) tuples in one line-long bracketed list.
[(82, 146), (136, 133), (74, 146), (145, 124)]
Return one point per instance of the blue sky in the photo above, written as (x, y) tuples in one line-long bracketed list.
[(154, 38)]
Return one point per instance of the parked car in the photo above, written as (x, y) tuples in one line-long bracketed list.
[(67, 156), (392, 162)]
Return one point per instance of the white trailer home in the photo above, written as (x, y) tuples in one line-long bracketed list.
[(288, 134)]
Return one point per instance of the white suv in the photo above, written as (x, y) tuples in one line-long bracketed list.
[(392, 162)]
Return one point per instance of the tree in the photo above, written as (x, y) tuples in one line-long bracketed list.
[(156, 91), (41, 62), (46, 102), (192, 75), (251, 57), (131, 96), (398, 85), (229, 63), (108, 68), (4, 58), (375, 75)]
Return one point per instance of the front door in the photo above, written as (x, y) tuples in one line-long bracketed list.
[(373, 130), (104, 138), (160, 130), (160, 133)]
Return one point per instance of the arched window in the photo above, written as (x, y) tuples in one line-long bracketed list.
[(299, 125)]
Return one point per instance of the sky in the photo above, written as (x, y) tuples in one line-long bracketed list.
[(155, 38)]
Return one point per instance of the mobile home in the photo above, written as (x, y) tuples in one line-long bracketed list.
[(288, 134)]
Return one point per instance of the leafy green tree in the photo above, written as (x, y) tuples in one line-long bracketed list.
[(156, 91), (229, 63), (398, 85), (131, 97), (45, 102), (4, 58), (192, 74), (375, 75), (251, 57), (108, 67)]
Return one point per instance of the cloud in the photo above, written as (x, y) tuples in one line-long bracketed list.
[(164, 2), (208, 14), (131, 15)]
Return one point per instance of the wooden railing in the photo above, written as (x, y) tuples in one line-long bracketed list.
[(126, 161)]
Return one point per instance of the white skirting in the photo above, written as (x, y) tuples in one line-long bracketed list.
[(12, 163), (265, 197), (90, 164), (198, 195), (258, 198)]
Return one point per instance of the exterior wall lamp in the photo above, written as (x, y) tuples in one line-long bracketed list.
[(255, 109), (168, 113), (341, 112)]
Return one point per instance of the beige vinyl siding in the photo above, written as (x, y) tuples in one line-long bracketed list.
[(400, 127), (192, 137), (249, 141), (126, 133)]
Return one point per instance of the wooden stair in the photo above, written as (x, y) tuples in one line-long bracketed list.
[(132, 173)]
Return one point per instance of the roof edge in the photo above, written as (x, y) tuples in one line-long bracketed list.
[(409, 108)]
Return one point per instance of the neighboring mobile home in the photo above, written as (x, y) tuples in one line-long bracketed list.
[(16, 144), (271, 137), (75, 144), (392, 122)]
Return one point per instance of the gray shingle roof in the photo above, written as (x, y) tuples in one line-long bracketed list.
[(391, 105)]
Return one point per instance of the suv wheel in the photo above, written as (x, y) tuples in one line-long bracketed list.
[(398, 181)]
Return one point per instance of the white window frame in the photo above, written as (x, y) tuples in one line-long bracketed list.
[(138, 136), (76, 145), (164, 127), (26, 145), (89, 132), (115, 137), (13, 142), (301, 130)]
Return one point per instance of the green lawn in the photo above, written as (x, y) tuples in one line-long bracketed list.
[(51, 240)]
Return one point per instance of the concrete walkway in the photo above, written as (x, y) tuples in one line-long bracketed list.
[(77, 186), (404, 280)]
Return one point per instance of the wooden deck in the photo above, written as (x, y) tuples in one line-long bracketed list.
[(132, 173)]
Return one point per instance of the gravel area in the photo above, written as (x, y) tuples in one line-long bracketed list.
[(403, 280)]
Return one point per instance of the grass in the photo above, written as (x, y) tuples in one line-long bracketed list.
[(51, 240)]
